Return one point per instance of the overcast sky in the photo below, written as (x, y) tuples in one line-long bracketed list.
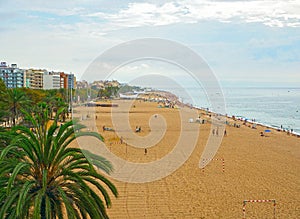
[(242, 41)]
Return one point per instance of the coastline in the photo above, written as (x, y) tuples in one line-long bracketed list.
[(172, 97), (162, 96), (270, 106)]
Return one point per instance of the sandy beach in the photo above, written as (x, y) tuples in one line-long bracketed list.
[(256, 168)]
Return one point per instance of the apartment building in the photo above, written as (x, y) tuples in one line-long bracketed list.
[(34, 78), (51, 80), (71, 81), (67, 81), (63, 80), (12, 76)]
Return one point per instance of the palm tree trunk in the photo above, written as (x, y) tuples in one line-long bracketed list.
[(14, 114), (43, 209)]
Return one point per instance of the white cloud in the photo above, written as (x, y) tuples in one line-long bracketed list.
[(71, 42), (269, 12)]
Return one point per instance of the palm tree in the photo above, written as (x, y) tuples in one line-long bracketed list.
[(3, 102), (42, 177), (16, 100)]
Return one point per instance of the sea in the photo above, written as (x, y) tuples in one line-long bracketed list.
[(273, 106)]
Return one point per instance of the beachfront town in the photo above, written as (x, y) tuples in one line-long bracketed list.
[(15, 77)]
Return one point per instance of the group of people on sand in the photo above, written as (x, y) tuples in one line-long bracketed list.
[(236, 125), (216, 132)]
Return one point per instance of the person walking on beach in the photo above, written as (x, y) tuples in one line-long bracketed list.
[(225, 132), (213, 132)]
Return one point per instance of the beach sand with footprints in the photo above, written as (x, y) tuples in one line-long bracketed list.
[(255, 168)]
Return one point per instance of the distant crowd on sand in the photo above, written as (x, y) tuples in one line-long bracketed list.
[(237, 122), (252, 124)]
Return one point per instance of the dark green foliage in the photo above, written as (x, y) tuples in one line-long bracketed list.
[(128, 88), (42, 177), (3, 101), (16, 100), (108, 92)]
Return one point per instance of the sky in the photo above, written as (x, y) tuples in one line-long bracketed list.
[(243, 42)]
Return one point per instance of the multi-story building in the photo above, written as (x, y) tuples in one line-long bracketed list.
[(56, 80), (34, 78), (51, 80), (67, 81), (71, 81), (12, 76), (63, 80)]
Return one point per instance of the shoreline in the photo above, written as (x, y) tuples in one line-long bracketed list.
[(239, 118), (268, 118), (161, 96)]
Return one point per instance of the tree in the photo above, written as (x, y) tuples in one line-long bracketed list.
[(35, 95), (16, 100), (58, 104), (3, 89), (41, 176), (3, 101), (108, 92), (54, 102)]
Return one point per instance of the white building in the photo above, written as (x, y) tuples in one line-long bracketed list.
[(51, 80)]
